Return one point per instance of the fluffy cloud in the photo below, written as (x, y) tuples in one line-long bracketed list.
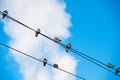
[(50, 16)]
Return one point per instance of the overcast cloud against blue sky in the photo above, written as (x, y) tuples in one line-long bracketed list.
[(95, 31)]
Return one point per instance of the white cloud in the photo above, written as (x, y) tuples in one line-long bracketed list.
[(51, 18)]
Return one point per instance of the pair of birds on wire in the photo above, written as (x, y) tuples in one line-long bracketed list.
[(109, 65), (45, 62)]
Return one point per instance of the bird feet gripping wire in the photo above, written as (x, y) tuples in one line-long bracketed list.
[(117, 71), (45, 61), (37, 32), (109, 65), (57, 39), (4, 13), (55, 65), (68, 47)]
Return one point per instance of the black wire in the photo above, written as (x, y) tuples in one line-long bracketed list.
[(39, 60), (71, 73), (73, 50), (32, 29), (78, 52), (92, 61), (19, 22), (52, 39)]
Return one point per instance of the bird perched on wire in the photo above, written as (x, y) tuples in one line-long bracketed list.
[(45, 61), (117, 71), (55, 65), (37, 32), (57, 39), (109, 65), (68, 47), (5, 12)]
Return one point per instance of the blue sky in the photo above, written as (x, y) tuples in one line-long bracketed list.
[(95, 31)]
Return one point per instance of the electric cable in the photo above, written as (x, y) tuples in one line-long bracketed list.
[(93, 62), (71, 49), (40, 60), (80, 53)]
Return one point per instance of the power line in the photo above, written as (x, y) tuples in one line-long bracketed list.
[(40, 60), (19, 22), (95, 61)]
